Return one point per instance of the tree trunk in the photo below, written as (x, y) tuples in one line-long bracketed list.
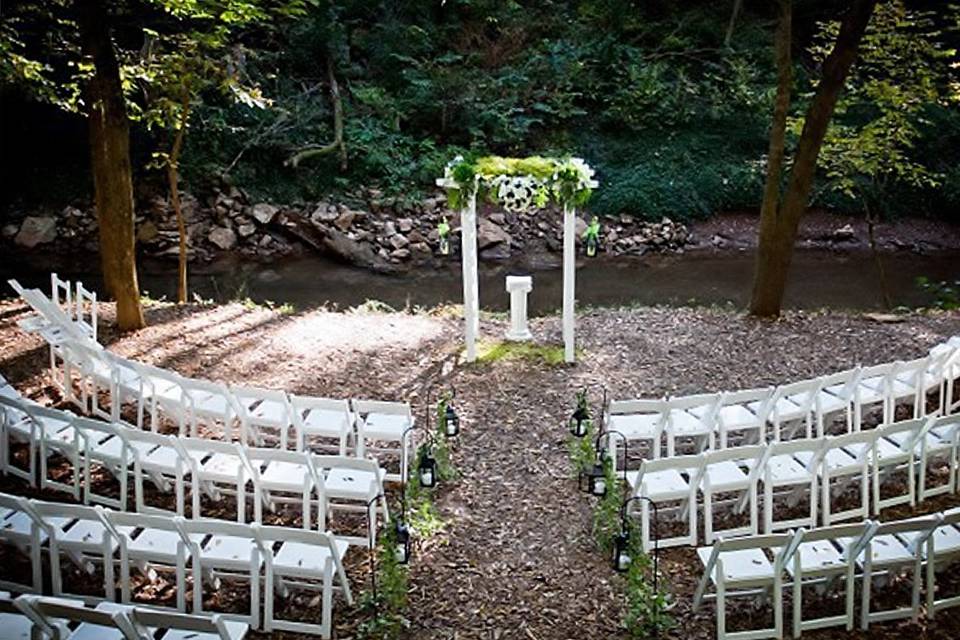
[(778, 236), (338, 143), (110, 162), (872, 238), (173, 178), (737, 4)]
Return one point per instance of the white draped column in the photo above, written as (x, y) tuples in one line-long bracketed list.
[(471, 294), (569, 281)]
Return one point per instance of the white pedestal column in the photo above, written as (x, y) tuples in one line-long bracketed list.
[(471, 298), (519, 287), (569, 282)]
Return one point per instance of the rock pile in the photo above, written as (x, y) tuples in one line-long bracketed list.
[(375, 232)]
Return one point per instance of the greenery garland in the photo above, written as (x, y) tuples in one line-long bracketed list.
[(519, 183)]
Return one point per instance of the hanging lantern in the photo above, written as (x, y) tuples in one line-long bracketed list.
[(427, 469), (591, 237), (402, 548), (443, 236), (594, 481), (579, 422), (451, 421), (621, 552)]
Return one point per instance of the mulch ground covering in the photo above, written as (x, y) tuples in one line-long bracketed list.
[(516, 558)]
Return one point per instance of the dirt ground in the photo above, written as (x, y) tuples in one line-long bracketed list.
[(516, 559)]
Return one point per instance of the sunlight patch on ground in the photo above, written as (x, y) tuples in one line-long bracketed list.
[(324, 331)]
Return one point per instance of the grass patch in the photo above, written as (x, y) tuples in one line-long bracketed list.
[(490, 352)]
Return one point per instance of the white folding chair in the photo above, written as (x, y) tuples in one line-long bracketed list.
[(210, 403), (741, 567), (351, 484), (819, 557), (305, 560), (108, 621), (94, 369), (151, 542), (744, 411), (106, 445), (380, 422), (18, 426), (836, 394), (86, 538), (230, 550), (320, 419), (936, 377), (58, 435), (895, 456), (793, 403), (946, 552), (666, 481), (942, 441), (792, 469), (731, 471), (846, 459), (893, 547), (162, 460), (873, 388), (288, 477), (86, 311), (222, 468), (640, 421), (163, 391), (693, 417), (908, 383), (22, 527), (262, 409)]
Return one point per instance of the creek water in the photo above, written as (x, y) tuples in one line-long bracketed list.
[(843, 280)]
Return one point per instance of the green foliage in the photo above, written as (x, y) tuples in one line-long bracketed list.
[(606, 515), (646, 614), (384, 610), (566, 181), (944, 295), (551, 355)]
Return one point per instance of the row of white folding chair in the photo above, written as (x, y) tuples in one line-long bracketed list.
[(832, 558), (31, 616), (274, 559), (274, 477), (77, 302), (766, 414), (813, 469), (254, 411)]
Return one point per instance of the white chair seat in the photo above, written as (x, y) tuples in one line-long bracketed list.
[(817, 557), (835, 459), (946, 540), (872, 390), (884, 549), (16, 626), (665, 485), (325, 422), (385, 426), (638, 426), (885, 449), (304, 560), (786, 468), (87, 631), (157, 545), (829, 399), (736, 415), (270, 412), (784, 408), (284, 476), (743, 565), (722, 475), (351, 484), (903, 389), (88, 534), (229, 552), (162, 459), (212, 404), (236, 630), (111, 450), (222, 467), (900, 438), (685, 424)]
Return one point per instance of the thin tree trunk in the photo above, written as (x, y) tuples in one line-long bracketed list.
[(338, 144), (109, 132), (173, 178), (737, 4), (777, 237)]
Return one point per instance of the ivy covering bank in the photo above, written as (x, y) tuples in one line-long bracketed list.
[(519, 184)]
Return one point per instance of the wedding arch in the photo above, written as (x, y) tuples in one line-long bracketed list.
[(516, 184)]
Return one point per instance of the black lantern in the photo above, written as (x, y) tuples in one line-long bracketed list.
[(594, 481), (579, 422), (621, 552), (451, 420), (402, 542), (427, 469)]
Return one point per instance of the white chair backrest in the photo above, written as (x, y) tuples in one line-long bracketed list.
[(803, 391), (859, 534), (924, 526), (816, 446), (627, 407), (246, 396), (47, 510), (913, 430), (381, 406), (849, 378), (693, 464), (86, 314), (866, 438), (201, 626), (262, 456), (50, 610), (61, 294), (322, 462)]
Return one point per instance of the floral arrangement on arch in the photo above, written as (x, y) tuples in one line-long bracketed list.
[(519, 184)]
